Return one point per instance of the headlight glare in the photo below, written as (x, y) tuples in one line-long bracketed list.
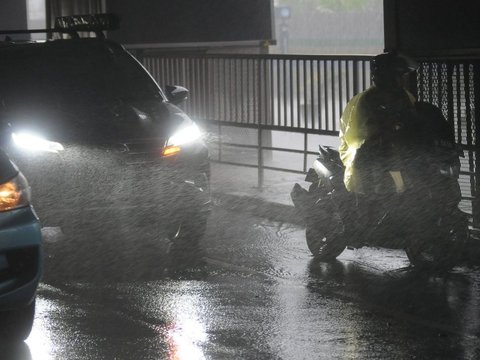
[(36, 143), (184, 136)]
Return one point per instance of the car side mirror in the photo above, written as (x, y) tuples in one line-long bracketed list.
[(176, 94)]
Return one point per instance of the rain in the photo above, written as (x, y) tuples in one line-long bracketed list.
[(171, 223)]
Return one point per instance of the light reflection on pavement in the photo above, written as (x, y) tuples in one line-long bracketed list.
[(186, 335), (40, 340), (257, 294)]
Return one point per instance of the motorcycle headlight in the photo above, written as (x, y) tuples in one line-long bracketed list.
[(35, 143), (186, 135), (14, 193)]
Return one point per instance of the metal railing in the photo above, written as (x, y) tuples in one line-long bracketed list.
[(306, 95), (284, 91), (265, 93)]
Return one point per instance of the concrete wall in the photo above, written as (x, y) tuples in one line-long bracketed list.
[(191, 21), (13, 16), (433, 27)]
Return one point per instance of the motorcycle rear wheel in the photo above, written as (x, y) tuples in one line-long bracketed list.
[(442, 254)]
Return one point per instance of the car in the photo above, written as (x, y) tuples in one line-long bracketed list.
[(105, 149), (20, 253)]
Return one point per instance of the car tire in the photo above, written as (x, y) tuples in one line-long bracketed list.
[(16, 325), (193, 223), (192, 228), (185, 246)]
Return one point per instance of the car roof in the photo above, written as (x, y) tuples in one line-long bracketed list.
[(81, 45)]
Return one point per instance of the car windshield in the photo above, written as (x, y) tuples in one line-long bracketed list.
[(65, 78)]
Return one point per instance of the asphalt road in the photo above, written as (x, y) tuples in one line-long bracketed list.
[(249, 291)]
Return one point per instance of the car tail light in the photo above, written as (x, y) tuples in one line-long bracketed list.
[(14, 193)]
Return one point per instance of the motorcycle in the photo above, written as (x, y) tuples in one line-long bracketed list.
[(424, 220)]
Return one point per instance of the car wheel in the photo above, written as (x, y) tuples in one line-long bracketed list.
[(184, 245), (191, 224), (16, 325), (192, 228)]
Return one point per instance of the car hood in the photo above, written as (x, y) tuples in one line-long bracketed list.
[(116, 122)]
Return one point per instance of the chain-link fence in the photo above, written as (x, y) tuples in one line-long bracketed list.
[(453, 86)]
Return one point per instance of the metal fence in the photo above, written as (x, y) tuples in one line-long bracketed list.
[(453, 85), (288, 92), (306, 95), (265, 93)]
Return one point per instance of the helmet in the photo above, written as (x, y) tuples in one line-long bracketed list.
[(387, 66), (394, 63)]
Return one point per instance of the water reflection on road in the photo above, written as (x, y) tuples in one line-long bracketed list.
[(186, 334), (251, 290), (355, 308)]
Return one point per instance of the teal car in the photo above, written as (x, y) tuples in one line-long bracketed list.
[(20, 253)]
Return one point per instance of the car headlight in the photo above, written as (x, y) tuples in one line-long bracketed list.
[(36, 143), (186, 135), (14, 193)]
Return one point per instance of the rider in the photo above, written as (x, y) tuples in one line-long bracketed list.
[(373, 125), (396, 151), (379, 134)]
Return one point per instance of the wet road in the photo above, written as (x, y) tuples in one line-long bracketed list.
[(249, 291)]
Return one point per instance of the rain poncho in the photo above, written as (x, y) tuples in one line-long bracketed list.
[(363, 120)]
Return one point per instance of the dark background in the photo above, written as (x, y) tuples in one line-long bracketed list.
[(185, 21), (13, 16), (432, 27)]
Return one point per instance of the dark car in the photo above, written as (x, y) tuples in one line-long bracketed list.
[(105, 150), (20, 254)]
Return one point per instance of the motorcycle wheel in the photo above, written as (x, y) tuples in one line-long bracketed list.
[(324, 233), (326, 244), (442, 254)]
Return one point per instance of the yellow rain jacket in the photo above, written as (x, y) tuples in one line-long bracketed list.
[(358, 123)]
